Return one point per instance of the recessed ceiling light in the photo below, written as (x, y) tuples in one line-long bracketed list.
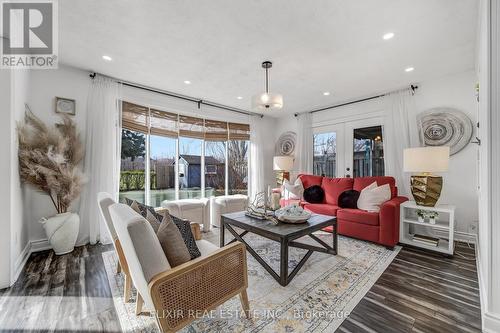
[(107, 58), (326, 93), (409, 69), (239, 97), (388, 35), (187, 82)]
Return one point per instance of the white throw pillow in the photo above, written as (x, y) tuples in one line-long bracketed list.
[(373, 196), (294, 191)]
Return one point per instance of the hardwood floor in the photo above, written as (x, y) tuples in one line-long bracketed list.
[(422, 292), (68, 293), (419, 292)]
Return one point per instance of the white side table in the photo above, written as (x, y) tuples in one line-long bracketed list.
[(445, 222)]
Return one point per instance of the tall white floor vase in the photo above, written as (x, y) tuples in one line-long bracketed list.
[(62, 231)]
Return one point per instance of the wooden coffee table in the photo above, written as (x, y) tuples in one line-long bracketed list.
[(285, 234)]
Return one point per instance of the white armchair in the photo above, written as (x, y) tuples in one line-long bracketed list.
[(194, 210), (226, 204), (194, 287), (105, 201)]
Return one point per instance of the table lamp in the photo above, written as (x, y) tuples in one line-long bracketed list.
[(282, 164), (426, 187)]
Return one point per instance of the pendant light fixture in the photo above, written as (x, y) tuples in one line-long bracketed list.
[(267, 100)]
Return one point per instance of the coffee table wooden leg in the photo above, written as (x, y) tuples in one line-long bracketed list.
[(221, 233), (335, 238), (284, 262)]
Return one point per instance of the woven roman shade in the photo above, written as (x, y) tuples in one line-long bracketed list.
[(135, 117), (239, 131), (164, 123), (215, 130), (191, 127)]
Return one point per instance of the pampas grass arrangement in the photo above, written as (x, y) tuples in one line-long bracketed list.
[(49, 158)]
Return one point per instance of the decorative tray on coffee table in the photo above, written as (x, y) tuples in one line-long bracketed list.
[(292, 214)]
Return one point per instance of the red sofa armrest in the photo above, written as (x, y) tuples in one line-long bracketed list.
[(389, 221)]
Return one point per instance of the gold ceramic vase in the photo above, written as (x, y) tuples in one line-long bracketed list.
[(426, 189)]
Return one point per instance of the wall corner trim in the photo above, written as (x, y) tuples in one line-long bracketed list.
[(20, 262)]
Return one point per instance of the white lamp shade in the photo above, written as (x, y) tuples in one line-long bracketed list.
[(426, 159), (267, 101), (282, 163)]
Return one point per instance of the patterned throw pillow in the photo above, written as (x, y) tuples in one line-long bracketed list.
[(172, 242), (143, 209), (183, 225), (187, 235)]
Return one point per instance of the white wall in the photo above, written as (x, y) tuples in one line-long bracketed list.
[(488, 69), (460, 186), (5, 175), (64, 82), (457, 91), (19, 224), (14, 88)]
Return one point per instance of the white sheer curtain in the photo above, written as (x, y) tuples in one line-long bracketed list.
[(102, 155), (256, 169), (400, 132), (304, 156)]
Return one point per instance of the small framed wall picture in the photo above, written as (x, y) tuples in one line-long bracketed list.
[(66, 106)]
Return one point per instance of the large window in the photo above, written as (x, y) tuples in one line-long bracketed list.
[(368, 147), (238, 166), (132, 177), (238, 145), (215, 168), (190, 168), (166, 156), (162, 175), (325, 154), (216, 135), (133, 154)]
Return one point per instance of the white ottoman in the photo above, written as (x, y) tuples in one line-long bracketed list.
[(194, 210), (226, 204)]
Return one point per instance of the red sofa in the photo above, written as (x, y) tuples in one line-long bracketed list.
[(382, 227)]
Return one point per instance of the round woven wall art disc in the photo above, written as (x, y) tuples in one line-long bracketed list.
[(445, 127), (286, 144)]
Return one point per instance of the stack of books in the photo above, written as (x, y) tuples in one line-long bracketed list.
[(426, 240)]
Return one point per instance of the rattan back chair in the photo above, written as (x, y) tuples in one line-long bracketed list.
[(179, 295)]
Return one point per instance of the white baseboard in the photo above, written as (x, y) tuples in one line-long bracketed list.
[(491, 323), (20, 262), (459, 236), (480, 274), (43, 245), (40, 245)]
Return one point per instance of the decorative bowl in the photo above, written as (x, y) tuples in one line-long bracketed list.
[(292, 214)]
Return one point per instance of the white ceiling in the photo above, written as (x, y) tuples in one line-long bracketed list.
[(316, 46)]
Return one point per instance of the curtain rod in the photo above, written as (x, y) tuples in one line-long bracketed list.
[(179, 96), (412, 87)]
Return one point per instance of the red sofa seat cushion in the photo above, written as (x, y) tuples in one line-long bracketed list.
[(362, 182), (358, 216), (334, 187), (323, 209), (310, 180)]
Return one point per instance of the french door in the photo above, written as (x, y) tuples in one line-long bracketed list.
[(349, 149)]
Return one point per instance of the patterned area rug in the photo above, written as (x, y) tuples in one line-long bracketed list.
[(319, 298)]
